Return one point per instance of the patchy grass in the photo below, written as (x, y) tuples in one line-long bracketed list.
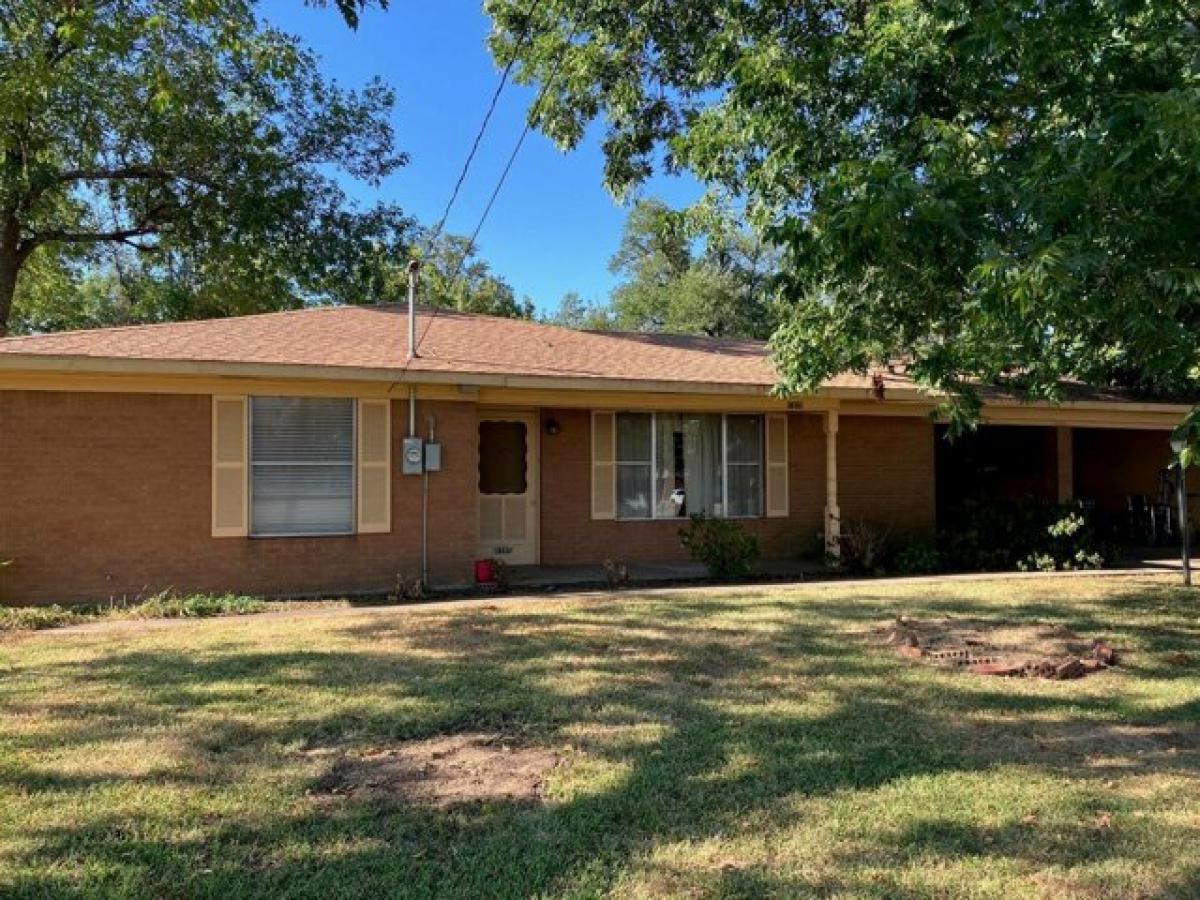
[(166, 605), (745, 744)]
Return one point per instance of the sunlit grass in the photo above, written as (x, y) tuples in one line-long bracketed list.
[(740, 744)]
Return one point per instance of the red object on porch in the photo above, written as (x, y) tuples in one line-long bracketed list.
[(485, 571)]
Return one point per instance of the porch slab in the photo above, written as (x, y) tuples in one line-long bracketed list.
[(544, 577)]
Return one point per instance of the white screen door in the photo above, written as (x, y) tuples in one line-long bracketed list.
[(508, 487)]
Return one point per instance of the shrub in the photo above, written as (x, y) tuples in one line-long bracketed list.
[(863, 546), (170, 605), (725, 548), (409, 589), (1026, 534), (616, 574), (34, 618), (918, 557), (1070, 545)]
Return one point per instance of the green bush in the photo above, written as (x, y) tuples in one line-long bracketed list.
[(725, 548), (170, 605), (918, 557), (165, 605), (35, 618), (1070, 546), (1025, 534)]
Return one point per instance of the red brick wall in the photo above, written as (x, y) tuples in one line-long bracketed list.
[(886, 472), (1112, 463), (887, 477), (109, 495)]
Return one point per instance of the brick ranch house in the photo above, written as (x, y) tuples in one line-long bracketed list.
[(267, 453)]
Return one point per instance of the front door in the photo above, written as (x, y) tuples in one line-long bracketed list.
[(508, 487)]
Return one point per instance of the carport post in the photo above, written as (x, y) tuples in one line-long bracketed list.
[(1178, 444), (833, 513)]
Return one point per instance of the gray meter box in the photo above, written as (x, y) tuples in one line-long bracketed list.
[(412, 456), (433, 457)]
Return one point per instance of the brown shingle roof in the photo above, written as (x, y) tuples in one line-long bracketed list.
[(375, 337), (457, 346)]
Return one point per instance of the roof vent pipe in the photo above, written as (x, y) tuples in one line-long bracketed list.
[(413, 268)]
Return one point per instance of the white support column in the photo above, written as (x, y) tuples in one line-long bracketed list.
[(833, 513), (1066, 465)]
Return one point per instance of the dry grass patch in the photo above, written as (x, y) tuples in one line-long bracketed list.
[(443, 772)]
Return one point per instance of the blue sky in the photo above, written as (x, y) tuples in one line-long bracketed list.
[(554, 227)]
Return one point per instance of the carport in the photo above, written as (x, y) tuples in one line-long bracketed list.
[(1120, 474)]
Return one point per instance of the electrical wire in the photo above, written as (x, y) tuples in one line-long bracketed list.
[(522, 39), (512, 157)]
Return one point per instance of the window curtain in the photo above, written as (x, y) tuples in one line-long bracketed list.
[(688, 465)]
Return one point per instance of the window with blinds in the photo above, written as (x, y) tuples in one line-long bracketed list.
[(301, 466)]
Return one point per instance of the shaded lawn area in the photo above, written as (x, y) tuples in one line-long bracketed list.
[(713, 746)]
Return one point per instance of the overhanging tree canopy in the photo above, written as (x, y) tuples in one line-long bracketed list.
[(191, 131), (1000, 189)]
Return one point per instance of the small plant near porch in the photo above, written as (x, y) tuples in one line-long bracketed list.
[(724, 547)]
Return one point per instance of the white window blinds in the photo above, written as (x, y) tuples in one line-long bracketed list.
[(301, 465)]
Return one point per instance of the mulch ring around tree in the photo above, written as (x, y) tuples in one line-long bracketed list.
[(441, 772), (1006, 649)]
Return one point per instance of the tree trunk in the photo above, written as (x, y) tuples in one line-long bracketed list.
[(11, 257)]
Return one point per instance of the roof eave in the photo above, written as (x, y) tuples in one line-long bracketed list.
[(64, 364)]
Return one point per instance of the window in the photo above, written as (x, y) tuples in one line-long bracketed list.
[(743, 464), (635, 465), (671, 465), (502, 458), (301, 466)]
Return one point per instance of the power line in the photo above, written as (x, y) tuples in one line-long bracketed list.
[(512, 157), (522, 38)]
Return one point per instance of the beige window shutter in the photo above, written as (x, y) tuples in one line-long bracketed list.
[(604, 465), (374, 466), (230, 449), (777, 466)]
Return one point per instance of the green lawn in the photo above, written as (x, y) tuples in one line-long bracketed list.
[(729, 744)]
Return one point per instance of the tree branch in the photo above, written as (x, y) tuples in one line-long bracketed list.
[(123, 235), (133, 173)]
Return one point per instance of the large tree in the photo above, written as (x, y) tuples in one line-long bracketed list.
[(676, 281), (453, 276), (124, 287), (998, 189), (195, 135)]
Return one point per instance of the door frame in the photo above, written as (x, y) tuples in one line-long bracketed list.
[(532, 418)]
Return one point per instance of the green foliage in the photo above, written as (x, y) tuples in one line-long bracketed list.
[(453, 278), (1070, 546), (350, 9), (724, 547), (165, 605), (995, 536), (36, 618), (171, 605), (721, 290), (1006, 190), (202, 143), (575, 312), (917, 557)]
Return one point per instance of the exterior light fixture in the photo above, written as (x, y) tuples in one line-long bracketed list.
[(552, 426)]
